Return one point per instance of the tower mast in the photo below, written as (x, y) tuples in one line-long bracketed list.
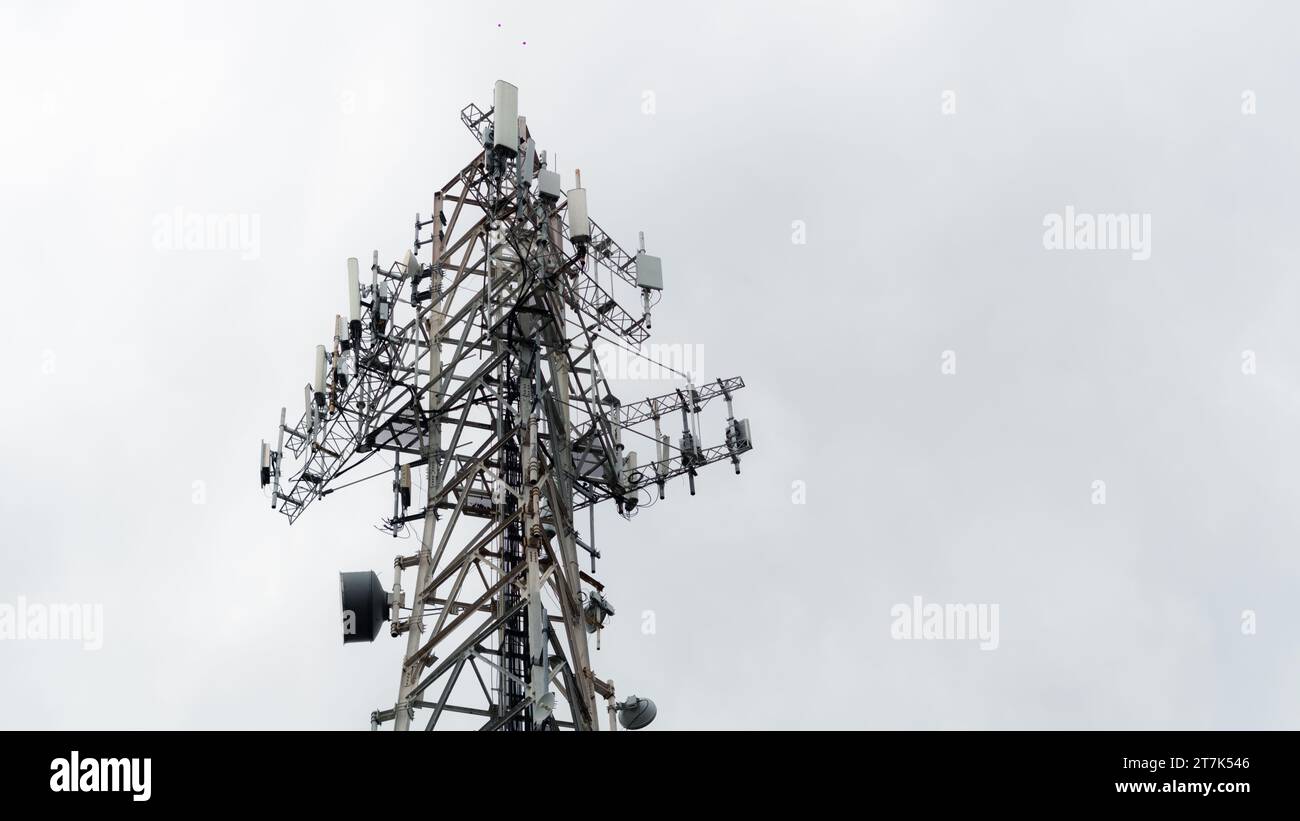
[(516, 427)]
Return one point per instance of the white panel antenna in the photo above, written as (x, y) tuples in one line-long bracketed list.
[(579, 222), (354, 290), (505, 118)]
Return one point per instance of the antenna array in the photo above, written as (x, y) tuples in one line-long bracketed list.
[(473, 383)]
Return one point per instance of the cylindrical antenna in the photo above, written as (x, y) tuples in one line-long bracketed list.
[(640, 244), (279, 437), (319, 383), (579, 222), (277, 458), (694, 396), (354, 289), (375, 301)]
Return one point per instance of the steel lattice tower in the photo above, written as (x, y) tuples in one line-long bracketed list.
[(478, 371)]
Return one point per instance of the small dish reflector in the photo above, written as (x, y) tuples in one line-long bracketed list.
[(365, 606), (636, 713)]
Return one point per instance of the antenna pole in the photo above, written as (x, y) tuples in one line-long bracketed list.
[(415, 631)]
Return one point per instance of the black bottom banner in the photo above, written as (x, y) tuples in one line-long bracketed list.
[(257, 770)]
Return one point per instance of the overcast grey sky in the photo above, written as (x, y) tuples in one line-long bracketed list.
[(918, 149)]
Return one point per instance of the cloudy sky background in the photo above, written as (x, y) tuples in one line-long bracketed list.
[(135, 371)]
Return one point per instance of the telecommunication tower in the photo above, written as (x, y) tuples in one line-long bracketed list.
[(473, 383)]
